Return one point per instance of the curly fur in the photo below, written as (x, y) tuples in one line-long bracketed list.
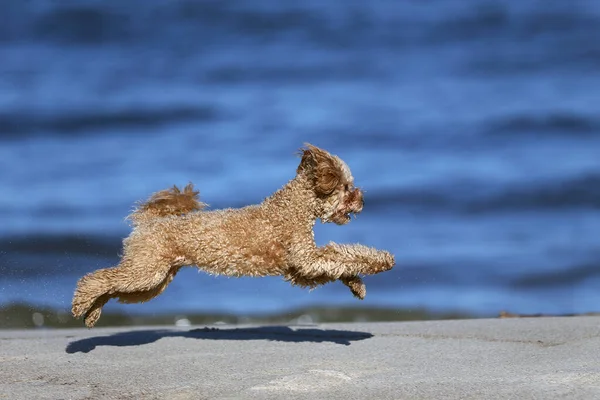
[(276, 237), (168, 202)]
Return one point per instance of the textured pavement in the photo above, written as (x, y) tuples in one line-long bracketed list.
[(527, 358)]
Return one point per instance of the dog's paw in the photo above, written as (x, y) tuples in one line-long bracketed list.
[(383, 262), (388, 260), (357, 287), (80, 308), (77, 311), (92, 317), (359, 291)]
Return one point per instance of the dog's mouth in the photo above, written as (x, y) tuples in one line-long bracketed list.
[(352, 205), (342, 217), (345, 218)]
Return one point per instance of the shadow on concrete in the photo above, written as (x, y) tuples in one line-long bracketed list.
[(272, 333)]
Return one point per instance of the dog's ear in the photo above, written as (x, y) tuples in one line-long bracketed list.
[(322, 167)]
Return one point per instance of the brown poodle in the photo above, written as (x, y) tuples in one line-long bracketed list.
[(273, 238)]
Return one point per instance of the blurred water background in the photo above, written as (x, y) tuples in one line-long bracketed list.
[(473, 126)]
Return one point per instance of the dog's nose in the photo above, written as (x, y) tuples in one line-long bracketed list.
[(359, 199)]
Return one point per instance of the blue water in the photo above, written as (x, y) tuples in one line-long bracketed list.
[(473, 128)]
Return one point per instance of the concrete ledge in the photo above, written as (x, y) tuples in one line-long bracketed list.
[(522, 358)]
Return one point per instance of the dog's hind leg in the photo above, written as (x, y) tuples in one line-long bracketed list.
[(93, 313), (142, 296), (92, 292), (129, 282)]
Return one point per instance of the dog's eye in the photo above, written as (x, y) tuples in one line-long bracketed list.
[(346, 187)]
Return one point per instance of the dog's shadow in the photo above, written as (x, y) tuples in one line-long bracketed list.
[(271, 333)]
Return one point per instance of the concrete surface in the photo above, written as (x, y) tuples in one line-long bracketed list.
[(532, 358)]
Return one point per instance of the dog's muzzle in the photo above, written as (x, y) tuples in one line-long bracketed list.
[(356, 201), (353, 204)]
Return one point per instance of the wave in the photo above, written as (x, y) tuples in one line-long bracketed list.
[(44, 244), (52, 256), (14, 125), (518, 21), (365, 24), (580, 192), (577, 192), (495, 38), (558, 123), (568, 277), (287, 73), (135, 20)]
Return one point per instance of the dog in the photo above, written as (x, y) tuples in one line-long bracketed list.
[(172, 230)]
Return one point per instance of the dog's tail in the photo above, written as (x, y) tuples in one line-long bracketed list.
[(167, 202)]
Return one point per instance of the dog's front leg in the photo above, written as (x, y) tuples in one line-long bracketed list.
[(341, 261), (313, 266), (359, 259)]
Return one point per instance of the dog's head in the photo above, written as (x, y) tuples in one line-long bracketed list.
[(332, 184)]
